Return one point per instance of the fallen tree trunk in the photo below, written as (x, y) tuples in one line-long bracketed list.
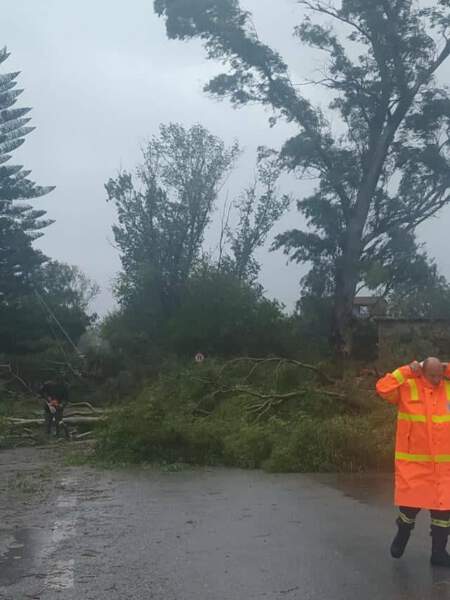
[(69, 413), (68, 420), (86, 405), (84, 420)]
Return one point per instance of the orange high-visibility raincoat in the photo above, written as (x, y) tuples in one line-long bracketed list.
[(422, 453)]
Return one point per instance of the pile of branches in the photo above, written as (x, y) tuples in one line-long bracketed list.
[(264, 401)]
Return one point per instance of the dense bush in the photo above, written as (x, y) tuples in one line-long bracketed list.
[(217, 314), (222, 315), (180, 419)]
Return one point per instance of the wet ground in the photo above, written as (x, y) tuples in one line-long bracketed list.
[(210, 534)]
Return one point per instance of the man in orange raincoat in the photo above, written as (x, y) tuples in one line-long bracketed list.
[(421, 392)]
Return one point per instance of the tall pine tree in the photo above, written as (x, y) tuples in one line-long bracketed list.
[(20, 223)]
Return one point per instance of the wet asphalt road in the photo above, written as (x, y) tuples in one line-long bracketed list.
[(77, 533)]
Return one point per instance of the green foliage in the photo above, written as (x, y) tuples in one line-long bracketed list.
[(34, 292), (428, 296), (180, 419), (163, 217), (165, 284), (222, 315), (248, 447), (217, 313), (258, 213), (12, 404), (340, 443), (33, 327), (393, 126), (172, 299), (145, 433), (314, 324), (20, 223), (67, 293)]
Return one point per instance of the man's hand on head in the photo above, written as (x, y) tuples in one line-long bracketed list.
[(416, 367)]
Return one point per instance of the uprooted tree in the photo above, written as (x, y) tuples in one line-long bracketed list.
[(387, 170)]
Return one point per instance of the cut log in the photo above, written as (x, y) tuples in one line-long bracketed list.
[(86, 405), (83, 436)]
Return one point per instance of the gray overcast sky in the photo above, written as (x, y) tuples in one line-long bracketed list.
[(101, 76)]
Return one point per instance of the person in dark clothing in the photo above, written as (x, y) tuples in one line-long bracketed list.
[(55, 399)]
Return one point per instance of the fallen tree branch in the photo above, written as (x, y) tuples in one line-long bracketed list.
[(83, 436), (258, 361), (270, 400), (271, 396), (273, 399), (16, 376)]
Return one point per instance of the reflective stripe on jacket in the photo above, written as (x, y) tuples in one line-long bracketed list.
[(422, 453)]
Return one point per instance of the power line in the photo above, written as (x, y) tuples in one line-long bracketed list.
[(61, 328)]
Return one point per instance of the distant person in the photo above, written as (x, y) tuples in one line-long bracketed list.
[(55, 399), (421, 392)]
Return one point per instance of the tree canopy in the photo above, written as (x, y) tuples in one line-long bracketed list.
[(259, 207), (387, 170), (163, 216)]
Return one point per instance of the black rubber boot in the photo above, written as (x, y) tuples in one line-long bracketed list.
[(439, 555), (401, 539)]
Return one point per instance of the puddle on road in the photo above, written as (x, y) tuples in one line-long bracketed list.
[(17, 562), (33, 552), (373, 489)]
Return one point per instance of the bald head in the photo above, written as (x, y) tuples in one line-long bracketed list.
[(433, 370)]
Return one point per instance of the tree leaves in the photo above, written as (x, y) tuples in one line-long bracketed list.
[(381, 62), (258, 213), (163, 216)]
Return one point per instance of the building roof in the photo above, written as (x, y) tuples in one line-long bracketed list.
[(410, 320), (368, 301)]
